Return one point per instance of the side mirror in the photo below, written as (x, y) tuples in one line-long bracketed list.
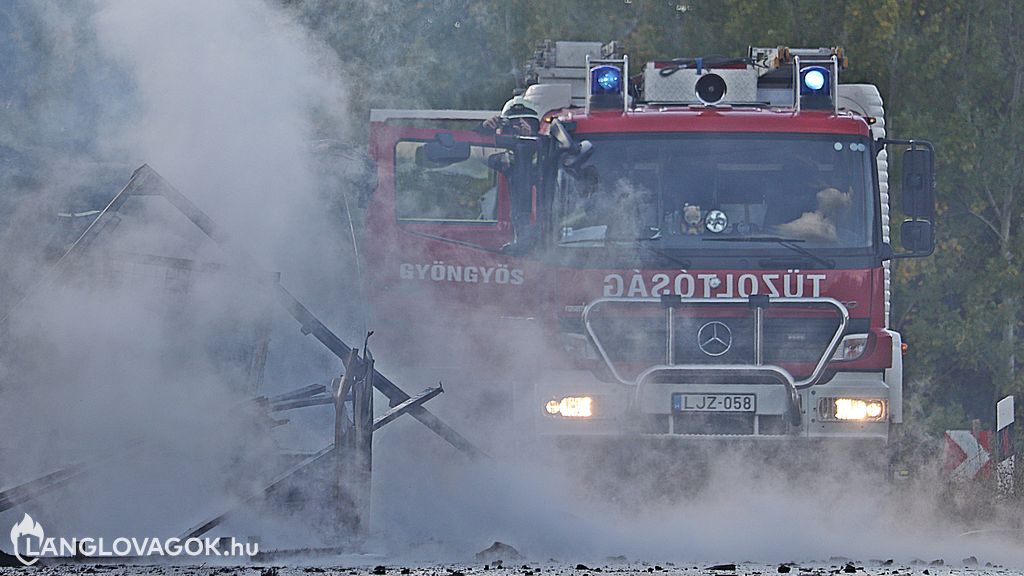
[(521, 195), (918, 236), (444, 150), (499, 162), (918, 183), (579, 156), (561, 135)]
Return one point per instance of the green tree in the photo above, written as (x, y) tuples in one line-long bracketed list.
[(964, 77)]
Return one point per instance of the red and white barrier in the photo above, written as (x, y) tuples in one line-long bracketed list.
[(968, 455)]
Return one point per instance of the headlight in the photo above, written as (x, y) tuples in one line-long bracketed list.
[(852, 409), (852, 347), (570, 407)]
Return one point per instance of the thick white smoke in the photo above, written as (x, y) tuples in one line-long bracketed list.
[(224, 99), (230, 97)]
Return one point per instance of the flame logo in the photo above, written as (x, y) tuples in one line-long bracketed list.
[(27, 527)]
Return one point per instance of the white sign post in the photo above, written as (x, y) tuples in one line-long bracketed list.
[(1005, 459)]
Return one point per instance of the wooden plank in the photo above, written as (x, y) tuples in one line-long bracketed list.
[(277, 482), (30, 490), (301, 403), (305, 391), (404, 407)]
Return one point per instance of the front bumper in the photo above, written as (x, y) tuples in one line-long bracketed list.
[(648, 408), (683, 393)]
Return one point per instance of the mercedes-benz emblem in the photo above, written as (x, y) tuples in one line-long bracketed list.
[(714, 338)]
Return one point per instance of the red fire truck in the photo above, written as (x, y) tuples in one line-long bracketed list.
[(701, 249)]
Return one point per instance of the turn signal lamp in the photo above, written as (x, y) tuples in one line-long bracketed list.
[(851, 348)]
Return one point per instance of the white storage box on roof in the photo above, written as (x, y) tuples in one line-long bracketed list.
[(666, 83)]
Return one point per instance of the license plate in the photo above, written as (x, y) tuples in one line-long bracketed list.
[(714, 402)]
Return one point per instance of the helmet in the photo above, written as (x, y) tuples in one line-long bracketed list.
[(520, 107)]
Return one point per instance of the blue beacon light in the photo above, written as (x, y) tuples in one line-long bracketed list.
[(605, 80), (814, 80)]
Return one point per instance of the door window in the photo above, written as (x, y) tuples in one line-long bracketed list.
[(459, 192)]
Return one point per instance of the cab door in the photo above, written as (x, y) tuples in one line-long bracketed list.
[(437, 232), (427, 191)]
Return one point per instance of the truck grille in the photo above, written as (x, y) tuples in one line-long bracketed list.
[(787, 340), (636, 337)]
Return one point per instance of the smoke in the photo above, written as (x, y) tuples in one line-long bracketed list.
[(230, 97), (663, 504), (145, 373)]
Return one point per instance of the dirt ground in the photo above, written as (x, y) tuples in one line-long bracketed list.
[(368, 566)]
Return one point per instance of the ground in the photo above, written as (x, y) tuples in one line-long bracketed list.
[(365, 566)]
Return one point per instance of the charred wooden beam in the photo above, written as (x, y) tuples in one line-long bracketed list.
[(362, 440), (277, 482), (342, 497), (30, 490), (404, 407), (304, 392), (301, 403), (311, 325)]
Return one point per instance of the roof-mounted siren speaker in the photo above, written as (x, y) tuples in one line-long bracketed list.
[(710, 88), (607, 87), (685, 81), (816, 84)]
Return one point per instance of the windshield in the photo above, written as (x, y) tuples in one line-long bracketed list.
[(684, 189)]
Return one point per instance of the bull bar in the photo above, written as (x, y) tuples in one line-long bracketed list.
[(725, 372)]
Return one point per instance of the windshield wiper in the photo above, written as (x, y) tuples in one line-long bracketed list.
[(604, 240), (791, 243), (643, 241)]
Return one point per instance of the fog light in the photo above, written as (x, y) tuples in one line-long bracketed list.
[(851, 348), (852, 409), (570, 407)]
